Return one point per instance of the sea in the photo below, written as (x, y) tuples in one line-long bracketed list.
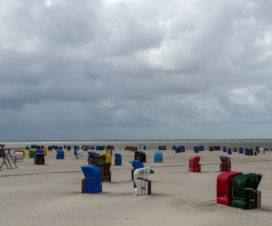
[(150, 144)]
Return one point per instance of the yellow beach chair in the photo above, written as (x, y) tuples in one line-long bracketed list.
[(108, 158)]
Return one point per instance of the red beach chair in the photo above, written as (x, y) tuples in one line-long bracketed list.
[(224, 187), (194, 165), (225, 165)]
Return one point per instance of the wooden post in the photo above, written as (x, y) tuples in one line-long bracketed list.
[(83, 185), (132, 174), (259, 200), (149, 188)]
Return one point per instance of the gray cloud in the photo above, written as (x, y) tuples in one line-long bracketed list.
[(132, 69)]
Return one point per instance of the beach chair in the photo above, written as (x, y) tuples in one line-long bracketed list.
[(31, 153), (158, 157), (194, 165), (108, 158), (106, 172), (21, 150), (229, 151), (44, 151), (92, 183), (225, 165), (17, 156), (79, 154), (118, 159), (179, 149), (142, 186), (211, 148), (162, 148), (108, 152), (245, 193), (7, 158), (196, 149), (60, 154), (39, 159), (224, 187), (110, 147)]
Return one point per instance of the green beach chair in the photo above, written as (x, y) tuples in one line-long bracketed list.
[(245, 193)]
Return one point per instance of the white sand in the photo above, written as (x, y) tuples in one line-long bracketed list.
[(51, 194)]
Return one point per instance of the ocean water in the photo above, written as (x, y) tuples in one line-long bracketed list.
[(151, 144)]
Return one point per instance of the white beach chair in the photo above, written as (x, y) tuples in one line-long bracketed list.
[(141, 182), (79, 154), (18, 156)]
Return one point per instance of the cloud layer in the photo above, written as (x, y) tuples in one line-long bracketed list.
[(117, 69)]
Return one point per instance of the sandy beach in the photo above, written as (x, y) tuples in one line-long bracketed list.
[(50, 194)]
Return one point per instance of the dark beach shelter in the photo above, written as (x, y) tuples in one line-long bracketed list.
[(224, 187), (241, 150), (194, 165), (92, 183), (224, 149), (225, 165), (245, 193)]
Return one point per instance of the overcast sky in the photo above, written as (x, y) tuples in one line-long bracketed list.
[(135, 69)]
